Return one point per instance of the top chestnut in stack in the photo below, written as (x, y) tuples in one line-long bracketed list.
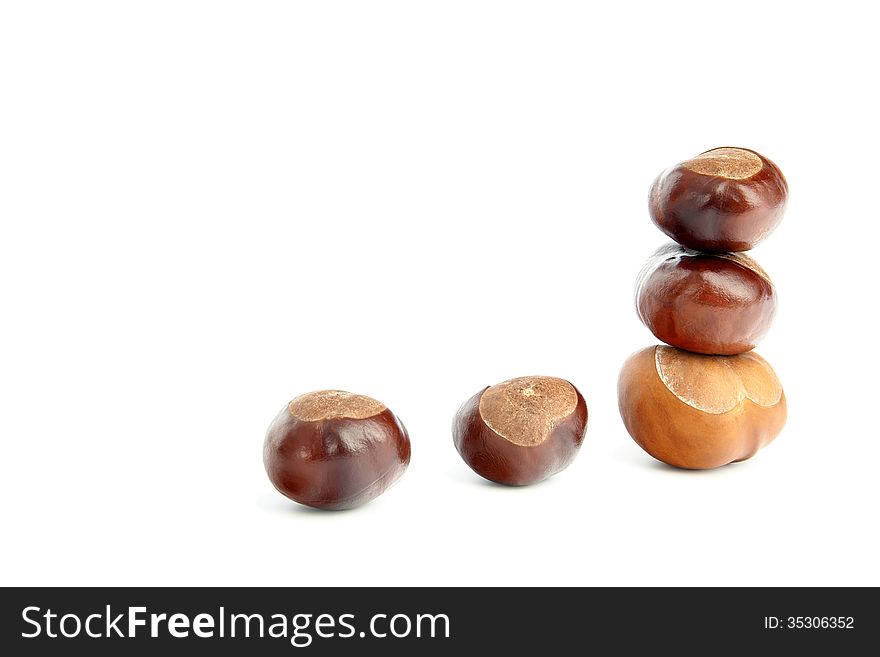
[(724, 200), (715, 404)]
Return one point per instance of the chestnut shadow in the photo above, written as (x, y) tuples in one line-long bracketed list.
[(280, 505), (639, 459), (465, 475)]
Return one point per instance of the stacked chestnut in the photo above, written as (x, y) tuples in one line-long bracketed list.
[(707, 399)]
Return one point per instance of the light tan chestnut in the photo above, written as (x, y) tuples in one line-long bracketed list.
[(697, 411)]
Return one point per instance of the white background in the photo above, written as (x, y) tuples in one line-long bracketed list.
[(210, 207)]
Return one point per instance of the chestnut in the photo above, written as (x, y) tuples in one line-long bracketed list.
[(709, 303), (521, 431), (335, 450), (696, 411), (726, 199)]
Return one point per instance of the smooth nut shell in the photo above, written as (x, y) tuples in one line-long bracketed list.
[(504, 462), (715, 213), (676, 432), (709, 304), (336, 463)]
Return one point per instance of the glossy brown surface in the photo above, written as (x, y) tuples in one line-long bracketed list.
[(716, 202), (710, 304), (697, 412), (532, 439), (335, 458)]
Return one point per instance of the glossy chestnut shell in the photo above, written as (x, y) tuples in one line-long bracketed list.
[(695, 411), (521, 431), (707, 303), (726, 199), (335, 450)]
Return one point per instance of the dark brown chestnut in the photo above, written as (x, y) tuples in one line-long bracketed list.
[(521, 431), (708, 303), (726, 199), (335, 450)]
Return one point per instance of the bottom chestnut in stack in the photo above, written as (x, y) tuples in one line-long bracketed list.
[(697, 411), (707, 399)]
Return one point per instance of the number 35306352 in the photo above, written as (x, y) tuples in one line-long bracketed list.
[(809, 622)]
